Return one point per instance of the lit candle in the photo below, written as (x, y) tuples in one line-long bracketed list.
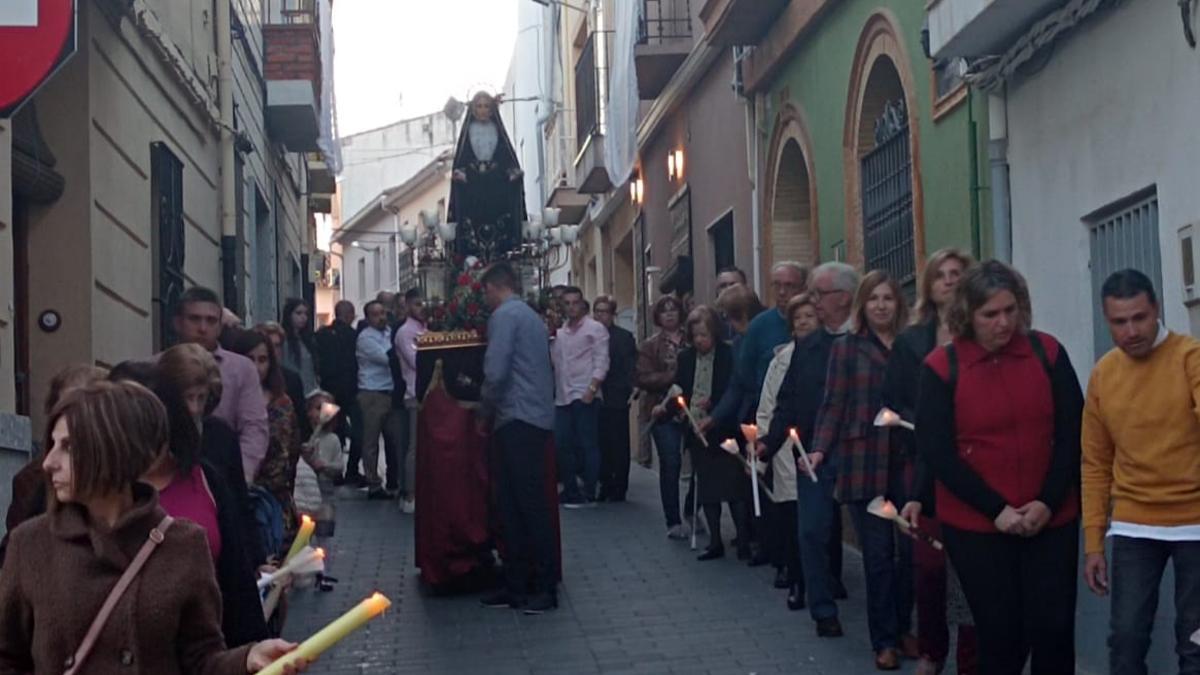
[(885, 509), (794, 441), (890, 418), (307, 525), (695, 425), (332, 634)]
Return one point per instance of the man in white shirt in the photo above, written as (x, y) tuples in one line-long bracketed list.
[(406, 351), (375, 385)]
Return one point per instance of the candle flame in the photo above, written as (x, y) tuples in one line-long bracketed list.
[(319, 553), (681, 402), (887, 418), (306, 520), (729, 445), (888, 509), (795, 436), (378, 602)]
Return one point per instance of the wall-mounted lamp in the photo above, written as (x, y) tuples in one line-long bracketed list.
[(570, 234), (675, 165), (550, 216), (637, 190), (408, 234)]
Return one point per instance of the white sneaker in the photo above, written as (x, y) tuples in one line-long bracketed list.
[(678, 532), (408, 506)]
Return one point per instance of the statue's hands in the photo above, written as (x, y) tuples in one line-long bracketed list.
[(515, 174), (460, 175)]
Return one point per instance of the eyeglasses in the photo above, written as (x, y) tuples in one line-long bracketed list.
[(817, 293)]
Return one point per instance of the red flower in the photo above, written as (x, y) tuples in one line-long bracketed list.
[(464, 279), (473, 308), (477, 287), (452, 307)]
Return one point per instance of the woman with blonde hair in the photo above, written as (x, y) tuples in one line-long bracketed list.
[(866, 468), (935, 293)]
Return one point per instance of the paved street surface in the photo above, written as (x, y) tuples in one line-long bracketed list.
[(632, 602)]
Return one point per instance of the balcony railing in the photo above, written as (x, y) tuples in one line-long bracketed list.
[(289, 12), (665, 21), (591, 87)]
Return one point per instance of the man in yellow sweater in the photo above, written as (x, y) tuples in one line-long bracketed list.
[(1141, 459)]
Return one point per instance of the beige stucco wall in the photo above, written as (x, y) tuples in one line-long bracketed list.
[(8, 355)]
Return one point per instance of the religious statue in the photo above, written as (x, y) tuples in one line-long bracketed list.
[(487, 194)]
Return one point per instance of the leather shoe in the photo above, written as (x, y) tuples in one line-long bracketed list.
[(759, 559), (540, 604), (887, 659), (795, 599), (502, 599), (781, 578), (712, 553), (829, 628)]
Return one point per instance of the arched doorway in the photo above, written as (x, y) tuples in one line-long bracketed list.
[(884, 224), (790, 200)]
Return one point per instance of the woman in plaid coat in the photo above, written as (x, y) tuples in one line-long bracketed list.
[(845, 434)]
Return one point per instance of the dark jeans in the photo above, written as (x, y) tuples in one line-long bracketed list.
[(576, 434), (787, 530), (816, 508), (1137, 569), (712, 516), (614, 451), (1022, 594), (878, 541), (668, 438), (524, 511)]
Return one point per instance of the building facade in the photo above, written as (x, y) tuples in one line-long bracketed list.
[(181, 145)]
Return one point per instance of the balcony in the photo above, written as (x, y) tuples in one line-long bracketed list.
[(572, 204), (292, 66), (977, 27), (734, 23), (321, 183), (591, 110), (664, 42)]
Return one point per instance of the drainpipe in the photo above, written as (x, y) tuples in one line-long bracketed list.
[(229, 234), (755, 211), (973, 158), (998, 159)]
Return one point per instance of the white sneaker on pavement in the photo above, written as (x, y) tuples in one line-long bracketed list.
[(408, 506)]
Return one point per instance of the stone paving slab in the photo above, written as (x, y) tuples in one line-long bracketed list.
[(632, 602)]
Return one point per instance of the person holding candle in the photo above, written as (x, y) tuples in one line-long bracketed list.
[(935, 293), (189, 486), (796, 405), (783, 525), (63, 565), (704, 372), (998, 419), (846, 435), (655, 373)]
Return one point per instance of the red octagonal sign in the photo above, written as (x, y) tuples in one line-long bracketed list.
[(36, 37)]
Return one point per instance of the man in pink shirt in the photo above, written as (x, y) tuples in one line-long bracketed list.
[(580, 357), (405, 344), (242, 406)]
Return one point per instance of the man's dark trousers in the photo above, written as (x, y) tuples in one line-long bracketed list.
[(614, 452), (524, 510)]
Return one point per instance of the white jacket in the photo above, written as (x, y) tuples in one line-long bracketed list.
[(783, 464)]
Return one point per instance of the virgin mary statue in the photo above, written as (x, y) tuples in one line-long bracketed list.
[(487, 196)]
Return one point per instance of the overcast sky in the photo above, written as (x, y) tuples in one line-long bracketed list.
[(404, 58)]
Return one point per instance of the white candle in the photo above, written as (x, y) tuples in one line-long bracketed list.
[(794, 441)]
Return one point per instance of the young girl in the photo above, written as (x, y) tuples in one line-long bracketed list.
[(323, 452)]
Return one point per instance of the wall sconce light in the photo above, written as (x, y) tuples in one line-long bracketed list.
[(636, 190), (570, 234), (429, 218), (675, 164), (408, 234), (550, 216)]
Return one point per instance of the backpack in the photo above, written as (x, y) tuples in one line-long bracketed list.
[(268, 520)]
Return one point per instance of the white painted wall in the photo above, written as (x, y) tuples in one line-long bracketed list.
[(1111, 113), (383, 158)]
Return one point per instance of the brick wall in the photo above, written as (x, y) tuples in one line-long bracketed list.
[(293, 53)]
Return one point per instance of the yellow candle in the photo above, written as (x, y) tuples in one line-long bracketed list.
[(333, 633), (307, 525)]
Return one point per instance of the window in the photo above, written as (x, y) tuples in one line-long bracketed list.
[(1123, 235), (166, 214), (722, 243)]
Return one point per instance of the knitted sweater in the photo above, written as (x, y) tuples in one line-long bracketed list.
[(1141, 440)]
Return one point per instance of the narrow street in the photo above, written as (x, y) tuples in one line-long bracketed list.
[(632, 602)]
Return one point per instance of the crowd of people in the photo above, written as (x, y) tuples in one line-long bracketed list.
[(998, 454), (209, 450)]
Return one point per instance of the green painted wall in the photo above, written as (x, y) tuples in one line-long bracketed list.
[(817, 78)]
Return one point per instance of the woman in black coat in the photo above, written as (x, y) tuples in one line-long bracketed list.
[(703, 373), (242, 619)]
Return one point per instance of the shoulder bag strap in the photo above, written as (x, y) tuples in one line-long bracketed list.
[(93, 634), (1039, 350), (952, 363)]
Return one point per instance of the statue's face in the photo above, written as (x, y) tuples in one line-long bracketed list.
[(481, 108)]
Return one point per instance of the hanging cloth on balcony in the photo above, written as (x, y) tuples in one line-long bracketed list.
[(620, 142)]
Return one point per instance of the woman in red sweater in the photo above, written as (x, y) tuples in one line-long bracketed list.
[(998, 420)]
